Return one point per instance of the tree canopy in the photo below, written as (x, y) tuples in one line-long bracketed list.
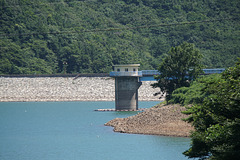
[(38, 36), (178, 68), (215, 115)]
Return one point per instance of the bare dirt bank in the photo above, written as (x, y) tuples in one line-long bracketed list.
[(159, 120)]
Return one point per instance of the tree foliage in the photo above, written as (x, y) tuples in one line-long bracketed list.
[(194, 93), (27, 47), (217, 119), (178, 68)]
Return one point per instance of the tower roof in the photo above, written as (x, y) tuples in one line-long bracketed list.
[(126, 65)]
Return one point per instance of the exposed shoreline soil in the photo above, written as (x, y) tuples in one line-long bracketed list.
[(163, 120)]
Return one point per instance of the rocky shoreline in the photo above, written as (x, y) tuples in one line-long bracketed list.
[(165, 120), (65, 89)]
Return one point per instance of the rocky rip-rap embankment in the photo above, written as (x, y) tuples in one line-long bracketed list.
[(65, 89), (159, 120)]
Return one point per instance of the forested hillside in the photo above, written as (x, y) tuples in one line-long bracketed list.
[(89, 36)]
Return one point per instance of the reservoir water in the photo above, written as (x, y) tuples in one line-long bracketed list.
[(74, 131)]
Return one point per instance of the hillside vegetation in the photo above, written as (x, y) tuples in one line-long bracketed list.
[(89, 36)]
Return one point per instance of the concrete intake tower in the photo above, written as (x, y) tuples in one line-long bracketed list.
[(126, 86)]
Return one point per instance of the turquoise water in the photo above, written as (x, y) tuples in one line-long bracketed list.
[(74, 131)]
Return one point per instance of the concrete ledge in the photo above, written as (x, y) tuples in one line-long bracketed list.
[(126, 110)]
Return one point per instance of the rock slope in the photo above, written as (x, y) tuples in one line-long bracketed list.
[(160, 120), (65, 89)]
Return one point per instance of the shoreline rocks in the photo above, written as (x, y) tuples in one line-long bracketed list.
[(165, 120)]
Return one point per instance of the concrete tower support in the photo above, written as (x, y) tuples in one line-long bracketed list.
[(126, 93), (126, 86)]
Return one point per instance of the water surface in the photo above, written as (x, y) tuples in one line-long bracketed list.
[(74, 131)]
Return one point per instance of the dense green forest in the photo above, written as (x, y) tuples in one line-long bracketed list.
[(89, 36), (212, 104)]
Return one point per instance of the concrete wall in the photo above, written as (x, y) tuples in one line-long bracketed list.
[(126, 93), (126, 68), (123, 69)]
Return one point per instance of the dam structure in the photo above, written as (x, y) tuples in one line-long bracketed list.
[(126, 86)]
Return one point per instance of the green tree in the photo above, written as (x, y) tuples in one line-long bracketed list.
[(217, 119), (182, 65), (193, 94)]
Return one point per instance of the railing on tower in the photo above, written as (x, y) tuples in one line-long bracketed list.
[(130, 73), (150, 72), (214, 70), (147, 73)]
